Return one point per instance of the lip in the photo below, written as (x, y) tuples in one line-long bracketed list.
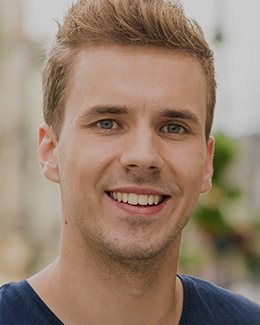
[(137, 190), (138, 210)]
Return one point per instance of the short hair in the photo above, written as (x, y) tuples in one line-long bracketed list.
[(159, 23)]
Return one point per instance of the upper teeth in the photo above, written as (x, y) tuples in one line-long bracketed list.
[(134, 199)]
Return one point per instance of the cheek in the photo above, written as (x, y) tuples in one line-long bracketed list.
[(188, 166), (190, 177), (84, 161)]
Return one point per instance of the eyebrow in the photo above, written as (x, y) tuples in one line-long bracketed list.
[(106, 109), (178, 113)]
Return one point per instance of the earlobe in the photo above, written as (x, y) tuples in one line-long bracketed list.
[(208, 167), (47, 154)]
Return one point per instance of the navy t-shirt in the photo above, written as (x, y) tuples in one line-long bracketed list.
[(204, 303)]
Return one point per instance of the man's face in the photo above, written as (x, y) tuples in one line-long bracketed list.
[(132, 158)]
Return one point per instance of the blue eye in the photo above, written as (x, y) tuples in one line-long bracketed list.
[(173, 128), (107, 124)]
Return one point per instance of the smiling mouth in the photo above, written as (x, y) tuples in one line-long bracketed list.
[(144, 200)]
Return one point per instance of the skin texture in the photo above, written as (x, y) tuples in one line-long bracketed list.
[(134, 122)]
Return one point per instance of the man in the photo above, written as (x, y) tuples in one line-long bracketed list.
[(129, 95)]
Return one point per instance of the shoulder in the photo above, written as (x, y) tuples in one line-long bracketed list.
[(199, 288), (20, 304), (9, 292), (12, 300), (202, 298)]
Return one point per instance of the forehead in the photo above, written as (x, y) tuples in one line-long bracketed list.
[(139, 76), (156, 60)]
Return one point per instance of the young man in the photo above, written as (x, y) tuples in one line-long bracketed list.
[(129, 94)]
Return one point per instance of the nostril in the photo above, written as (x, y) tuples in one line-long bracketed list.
[(136, 166), (154, 167), (139, 157)]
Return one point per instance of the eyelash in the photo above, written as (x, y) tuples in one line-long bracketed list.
[(98, 124), (117, 125), (179, 126)]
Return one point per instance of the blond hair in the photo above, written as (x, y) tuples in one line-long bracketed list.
[(159, 23)]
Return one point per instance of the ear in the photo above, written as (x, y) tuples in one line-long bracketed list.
[(208, 166), (47, 154)]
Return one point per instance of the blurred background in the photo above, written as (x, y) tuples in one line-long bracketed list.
[(222, 242)]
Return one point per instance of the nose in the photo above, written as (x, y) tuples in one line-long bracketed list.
[(142, 151)]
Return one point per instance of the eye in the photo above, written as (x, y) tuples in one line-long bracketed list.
[(107, 124), (173, 128)]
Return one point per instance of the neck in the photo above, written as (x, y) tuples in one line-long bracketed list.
[(91, 288)]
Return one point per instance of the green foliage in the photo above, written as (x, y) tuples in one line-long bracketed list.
[(225, 238), (224, 156), (209, 214), (212, 221)]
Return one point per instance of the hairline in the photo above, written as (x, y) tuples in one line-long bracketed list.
[(74, 52)]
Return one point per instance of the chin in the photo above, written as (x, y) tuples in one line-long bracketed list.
[(138, 252)]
